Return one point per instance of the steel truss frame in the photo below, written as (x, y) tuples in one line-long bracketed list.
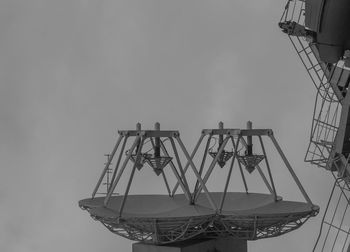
[(162, 230), (335, 228), (323, 150), (140, 137), (236, 136), (212, 226), (327, 107)]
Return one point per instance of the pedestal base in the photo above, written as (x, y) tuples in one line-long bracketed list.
[(213, 245)]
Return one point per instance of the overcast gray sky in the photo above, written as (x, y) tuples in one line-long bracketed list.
[(73, 72)]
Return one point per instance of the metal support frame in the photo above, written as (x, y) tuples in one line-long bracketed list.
[(139, 141), (262, 175), (268, 167), (325, 140), (163, 173), (206, 227), (228, 132), (206, 149), (166, 183), (217, 223), (107, 165), (334, 234), (180, 179), (210, 199), (141, 136), (179, 165), (211, 167), (231, 133), (188, 163), (138, 156), (111, 190), (229, 174), (290, 169), (243, 177), (119, 160), (329, 97), (179, 172)]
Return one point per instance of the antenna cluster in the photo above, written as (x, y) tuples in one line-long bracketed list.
[(195, 211)]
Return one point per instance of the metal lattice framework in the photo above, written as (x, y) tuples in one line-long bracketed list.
[(160, 231), (335, 228), (327, 131), (162, 219), (168, 230), (327, 108), (251, 161), (256, 228), (139, 229)]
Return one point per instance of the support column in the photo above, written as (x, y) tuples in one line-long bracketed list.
[(212, 245)]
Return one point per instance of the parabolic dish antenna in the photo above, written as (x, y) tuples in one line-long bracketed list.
[(196, 211)]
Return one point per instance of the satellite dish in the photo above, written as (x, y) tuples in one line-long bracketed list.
[(199, 213)]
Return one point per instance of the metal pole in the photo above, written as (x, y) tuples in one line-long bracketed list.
[(179, 181), (138, 156), (323, 219), (203, 160), (240, 166), (301, 188), (268, 168), (157, 141), (249, 139), (243, 177), (228, 176), (179, 164), (156, 147), (121, 171), (166, 183), (107, 165), (138, 128), (119, 159), (221, 137)]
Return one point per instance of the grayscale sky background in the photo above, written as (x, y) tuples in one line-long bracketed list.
[(73, 72)]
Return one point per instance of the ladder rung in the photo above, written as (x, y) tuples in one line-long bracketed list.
[(302, 50), (325, 123), (334, 226), (327, 142), (313, 67)]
